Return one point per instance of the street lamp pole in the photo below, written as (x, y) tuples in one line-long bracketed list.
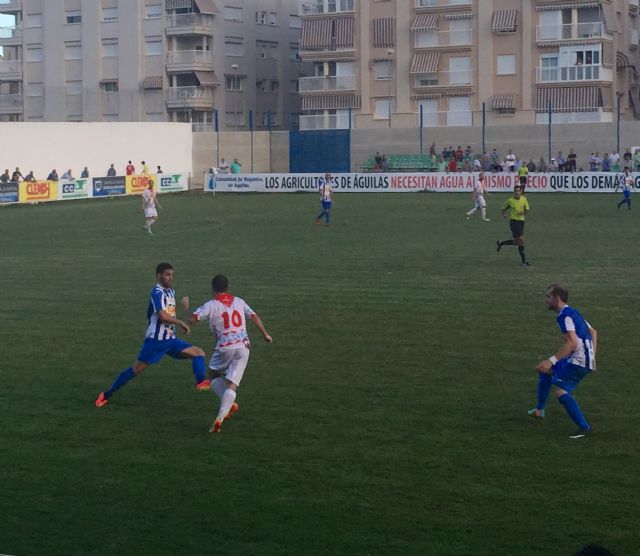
[(234, 67), (390, 53)]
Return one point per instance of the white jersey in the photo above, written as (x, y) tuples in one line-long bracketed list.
[(626, 182), (227, 316), (478, 188), (149, 199)]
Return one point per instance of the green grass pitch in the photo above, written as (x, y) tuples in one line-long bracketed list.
[(388, 416)]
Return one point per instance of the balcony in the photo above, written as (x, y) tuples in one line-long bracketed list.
[(190, 24), (10, 104), (190, 97), (189, 60), (10, 6), (327, 84), (11, 70), (562, 74), (10, 36), (569, 32), (326, 121), (447, 79), (443, 39), (323, 7), (442, 3)]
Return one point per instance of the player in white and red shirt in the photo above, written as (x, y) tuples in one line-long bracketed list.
[(227, 316), (479, 190), (150, 205)]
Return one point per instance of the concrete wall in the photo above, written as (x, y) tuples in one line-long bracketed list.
[(41, 146)]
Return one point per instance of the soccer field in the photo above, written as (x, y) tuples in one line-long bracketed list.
[(388, 417)]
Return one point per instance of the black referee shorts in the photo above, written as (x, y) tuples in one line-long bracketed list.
[(517, 227)]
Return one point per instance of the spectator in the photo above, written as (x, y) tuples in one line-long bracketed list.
[(627, 156), (53, 175), (432, 150), (606, 163), (553, 166), (510, 159), (85, 173), (614, 159), (159, 170), (378, 161), (385, 163), (453, 165), (224, 166), (468, 151), (560, 161), (594, 162), (68, 175), (17, 175), (111, 172), (477, 165), (459, 153), (571, 163), (130, 169), (4, 178), (30, 177), (467, 166), (145, 169), (542, 165), (531, 165), (235, 166)]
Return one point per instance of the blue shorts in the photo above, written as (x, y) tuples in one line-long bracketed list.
[(152, 351), (326, 205), (567, 375), (627, 194)]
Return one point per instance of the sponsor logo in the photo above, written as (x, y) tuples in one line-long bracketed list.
[(38, 191)]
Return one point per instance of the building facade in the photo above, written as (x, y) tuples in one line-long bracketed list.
[(404, 63), (151, 60)]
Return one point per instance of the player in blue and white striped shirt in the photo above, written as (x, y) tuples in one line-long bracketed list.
[(160, 338), (571, 363), (625, 181)]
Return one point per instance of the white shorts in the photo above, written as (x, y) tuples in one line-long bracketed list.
[(150, 213), (231, 362), (480, 202)]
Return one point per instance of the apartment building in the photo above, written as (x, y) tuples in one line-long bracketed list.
[(150, 60), (396, 63)]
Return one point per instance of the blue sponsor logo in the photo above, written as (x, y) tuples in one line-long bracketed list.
[(103, 187)]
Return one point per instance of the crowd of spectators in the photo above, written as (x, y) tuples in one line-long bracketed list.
[(17, 176)]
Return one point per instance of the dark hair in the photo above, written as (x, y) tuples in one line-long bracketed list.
[(151, 183), (162, 267), (220, 283), (559, 291), (594, 550), (517, 187), (129, 162)]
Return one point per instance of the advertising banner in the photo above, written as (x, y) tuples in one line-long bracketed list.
[(172, 182), (587, 182), (74, 189), (137, 184), (9, 192), (103, 187), (38, 191)]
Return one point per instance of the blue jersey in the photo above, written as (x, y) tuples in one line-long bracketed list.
[(569, 319), (626, 183), (161, 300)]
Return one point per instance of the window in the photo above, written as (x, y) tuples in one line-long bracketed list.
[(72, 51), (35, 89), (383, 70), (74, 16), (110, 14), (35, 54), (460, 70), (275, 86), (110, 48), (233, 46), (459, 111), (427, 80), (381, 108), (506, 64), (233, 83), (110, 86), (74, 87), (460, 31), (295, 22), (261, 18), (293, 53), (234, 119), (429, 112), (33, 20), (273, 18), (153, 46), (153, 11), (294, 86), (427, 38), (232, 13)]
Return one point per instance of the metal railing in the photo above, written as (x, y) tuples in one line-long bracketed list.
[(460, 37), (190, 20), (10, 33), (313, 7), (573, 73), (10, 66), (189, 57), (189, 93), (330, 83), (10, 5), (445, 78), (329, 121), (431, 3), (570, 31), (10, 101)]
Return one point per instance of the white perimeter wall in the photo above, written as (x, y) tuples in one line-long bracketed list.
[(42, 146)]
